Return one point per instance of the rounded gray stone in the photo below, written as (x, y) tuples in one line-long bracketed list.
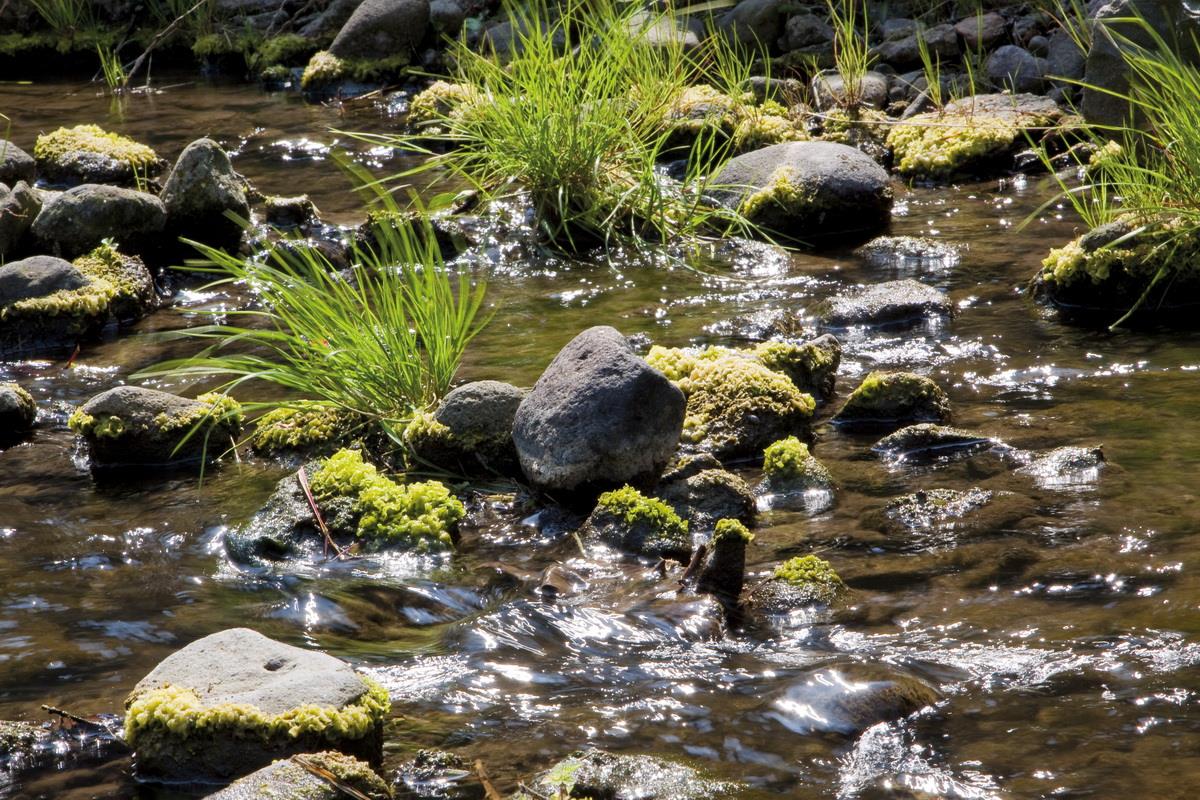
[(77, 220)]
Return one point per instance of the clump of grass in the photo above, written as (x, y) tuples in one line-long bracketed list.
[(382, 341), (1146, 173), (64, 17), (111, 69), (931, 68), (851, 52), (574, 120)]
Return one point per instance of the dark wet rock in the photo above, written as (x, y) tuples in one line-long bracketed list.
[(689, 465), (231, 702), (807, 190), (599, 415), (432, 774), (755, 23), (19, 207), (596, 774), (891, 303), (291, 212), (470, 432), (904, 253), (829, 90), (37, 276), (628, 520), (892, 400), (1066, 467), (134, 426), (904, 52), (982, 32), (927, 441), (18, 412), (806, 29), (848, 698), (1064, 59), (1015, 68), (201, 189), (284, 527), (447, 16), (722, 573), (799, 583), (929, 509), (326, 24), (289, 779), (79, 219), (708, 496), (15, 164), (943, 516), (380, 29)]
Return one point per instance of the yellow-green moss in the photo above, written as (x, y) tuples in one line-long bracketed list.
[(107, 280), (700, 109), (896, 395), (323, 67), (789, 460), (730, 529), (757, 129), (420, 515), (54, 146), (847, 126), (940, 145), (290, 49), (440, 100), (351, 772), (724, 392), (219, 408), (158, 717), (782, 194), (301, 427), (634, 508), (813, 574), (1160, 245), (424, 431)]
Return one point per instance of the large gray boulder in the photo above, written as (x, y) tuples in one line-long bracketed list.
[(829, 90), (1106, 77), (37, 276), (15, 164), (1016, 69), (598, 416), (754, 23), (233, 701), (199, 192), (381, 29), (135, 426), (19, 206), (802, 190), (77, 220)]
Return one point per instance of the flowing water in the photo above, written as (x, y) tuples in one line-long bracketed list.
[(1065, 639)]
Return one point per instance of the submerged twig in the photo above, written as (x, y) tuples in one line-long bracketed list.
[(302, 475), (317, 770), (489, 791)]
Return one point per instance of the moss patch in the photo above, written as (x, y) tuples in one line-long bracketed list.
[(421, 516), (814, 575), (325, 68), (634, 508), (940, 146), (302, 427), (440, 100), (895, 396), (1125, 264), (53, 147), (789, 460)]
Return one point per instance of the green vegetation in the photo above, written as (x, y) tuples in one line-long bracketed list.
[(64, 17), (1155, 173), (851, 52), (788, 460), (577, 120), (302, 427), (58, 144), (814, 575), (420, 516), (634, 508), (111, 69), (383, 343)]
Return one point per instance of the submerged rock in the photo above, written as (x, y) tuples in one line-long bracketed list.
[(798, 583), (432, 774), (20, 743), (19, 207), (708, 496), (928, 441), (628, 520), (48, 302), (598, 416), (89, 154), (802, 190), (893, 303), (133, 426), (943, 516), (793, 479), (232, 702), (18, 412), (81, 218), (291, 212), (892, 400), (15, 164), (470, 432), (907, 253), (596, 774), (301, 778), (1066, 467), (847, 698), (201, 189)]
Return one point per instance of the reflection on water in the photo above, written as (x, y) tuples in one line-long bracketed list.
[(1063, 640)]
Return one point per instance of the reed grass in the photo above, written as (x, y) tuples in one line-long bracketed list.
[(851, 51), (64, 17)]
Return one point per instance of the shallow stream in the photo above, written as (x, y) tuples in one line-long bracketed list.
[(1066, 642)]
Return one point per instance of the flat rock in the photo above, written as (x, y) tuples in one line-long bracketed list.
[(849, 698), (894, 303), (927, 441), (892, 400), (910, 254)]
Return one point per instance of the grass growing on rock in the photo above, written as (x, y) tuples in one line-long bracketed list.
[(577, 117), (382, 342)]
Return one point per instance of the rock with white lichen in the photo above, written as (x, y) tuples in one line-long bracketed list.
[(131, 426), (234, 701), (308, 776), (807, 190)]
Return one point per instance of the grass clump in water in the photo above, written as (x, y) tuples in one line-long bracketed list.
[(577, 118)]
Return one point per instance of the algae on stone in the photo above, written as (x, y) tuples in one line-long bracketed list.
[(88, 153), (891, 398), (303, 427), (788, 464), (630, 520)]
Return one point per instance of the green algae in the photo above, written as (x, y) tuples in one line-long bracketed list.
[(325, 68), (722, 394), (53, 147), (939, 146), (891, 396), (789, 461), (302, 427), (730, 530), (814, 575), (442, 99), (634, 508), (1139, 254)]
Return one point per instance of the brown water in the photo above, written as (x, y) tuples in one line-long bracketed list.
[(1067, 644)]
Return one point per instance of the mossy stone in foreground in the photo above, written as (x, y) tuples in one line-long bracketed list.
[(296, 779), (134, 426), (798, 583), (234, 701), (789, 466), (893, 399), (723, 573), (470, 432), (18, 411), (627, 519), (90, 154)]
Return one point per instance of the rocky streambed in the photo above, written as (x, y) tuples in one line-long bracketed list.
[(968, 575)]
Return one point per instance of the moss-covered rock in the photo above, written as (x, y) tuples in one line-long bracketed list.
[(735, 404), (708, 496), (18, 412), (48, 302), (299, 778), (797, 583), (894, 399), (595, 774), (306, 429), (723, 573), (442, 99), (325, 69), (627, 519), (234, 701), (133, 426), (470, 432), (790, 469), (90, 154)]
